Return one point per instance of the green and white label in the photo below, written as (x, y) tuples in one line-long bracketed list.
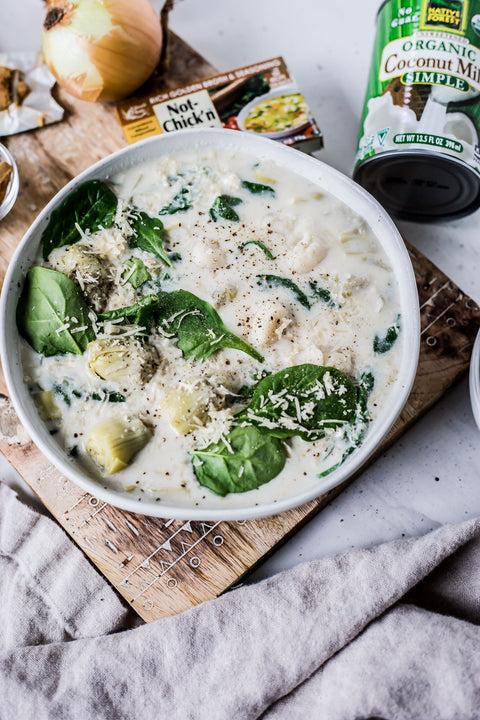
[(424, 84), (432, 60)]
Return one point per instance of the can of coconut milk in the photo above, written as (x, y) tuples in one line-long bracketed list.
[(419, 151)]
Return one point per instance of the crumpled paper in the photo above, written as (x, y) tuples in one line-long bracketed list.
[(38, 108)]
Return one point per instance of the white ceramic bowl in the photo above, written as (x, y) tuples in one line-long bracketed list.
[(325, 177)]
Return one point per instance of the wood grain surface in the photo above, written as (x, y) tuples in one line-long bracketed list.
[(162, 567)]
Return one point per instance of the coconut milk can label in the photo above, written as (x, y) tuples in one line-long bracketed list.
[(423, 59), (424, 84)]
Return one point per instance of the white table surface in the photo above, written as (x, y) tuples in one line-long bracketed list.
[(432, 475)]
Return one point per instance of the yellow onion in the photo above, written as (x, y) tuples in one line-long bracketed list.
[(101, 49)]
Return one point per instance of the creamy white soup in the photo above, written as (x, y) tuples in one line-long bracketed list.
[(207, 328)]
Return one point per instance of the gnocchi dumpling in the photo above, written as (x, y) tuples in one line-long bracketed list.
[(269, 323), (307, 254), (342, 359), (208, 254)]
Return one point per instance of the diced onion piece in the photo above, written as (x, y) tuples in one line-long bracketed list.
[(264, 178)]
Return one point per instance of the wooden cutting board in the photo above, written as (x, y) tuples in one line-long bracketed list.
[(162, 567)]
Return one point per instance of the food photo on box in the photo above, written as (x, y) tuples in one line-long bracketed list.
[(240, 375)]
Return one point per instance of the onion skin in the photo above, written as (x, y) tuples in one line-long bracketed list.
[(116, 55)]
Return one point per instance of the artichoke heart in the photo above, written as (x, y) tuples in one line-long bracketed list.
[(122, 360), (46, 405), (114, 443), (88, 270), (186, 406)]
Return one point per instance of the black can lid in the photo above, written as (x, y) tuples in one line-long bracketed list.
[(421, 186)]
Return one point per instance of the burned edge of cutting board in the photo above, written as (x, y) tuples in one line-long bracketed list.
[(162, 567)]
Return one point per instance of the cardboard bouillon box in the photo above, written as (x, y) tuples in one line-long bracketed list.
[(261, 98)]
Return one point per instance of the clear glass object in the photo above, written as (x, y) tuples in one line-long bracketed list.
[(13, 186)]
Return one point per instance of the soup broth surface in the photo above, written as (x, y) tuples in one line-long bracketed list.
[(288, 268)]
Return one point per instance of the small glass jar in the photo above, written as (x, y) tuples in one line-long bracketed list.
[(13, 185)]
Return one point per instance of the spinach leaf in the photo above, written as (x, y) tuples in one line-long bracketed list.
[(263, 247), (302, 400), (355, 431), (246, 391), (148, 235), (274, 280), (130, 311), (91, 206), (384, 344), (59, 390), (145, 318), (180, 202), (322, 294), (258, 188), (365, 387), (357, 428), (135, 272), (246, 459), (329, 470), (141, 313), (52, 314), (197, 325), (106, 395), (223, 207), (109, 396)]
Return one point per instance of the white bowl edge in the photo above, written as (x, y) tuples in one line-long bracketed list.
[(474, 380)]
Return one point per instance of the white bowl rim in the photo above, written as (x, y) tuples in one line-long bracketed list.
[(332, 181), (474, 380)]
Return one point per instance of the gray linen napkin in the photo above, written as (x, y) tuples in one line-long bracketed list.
[(327, 639)]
